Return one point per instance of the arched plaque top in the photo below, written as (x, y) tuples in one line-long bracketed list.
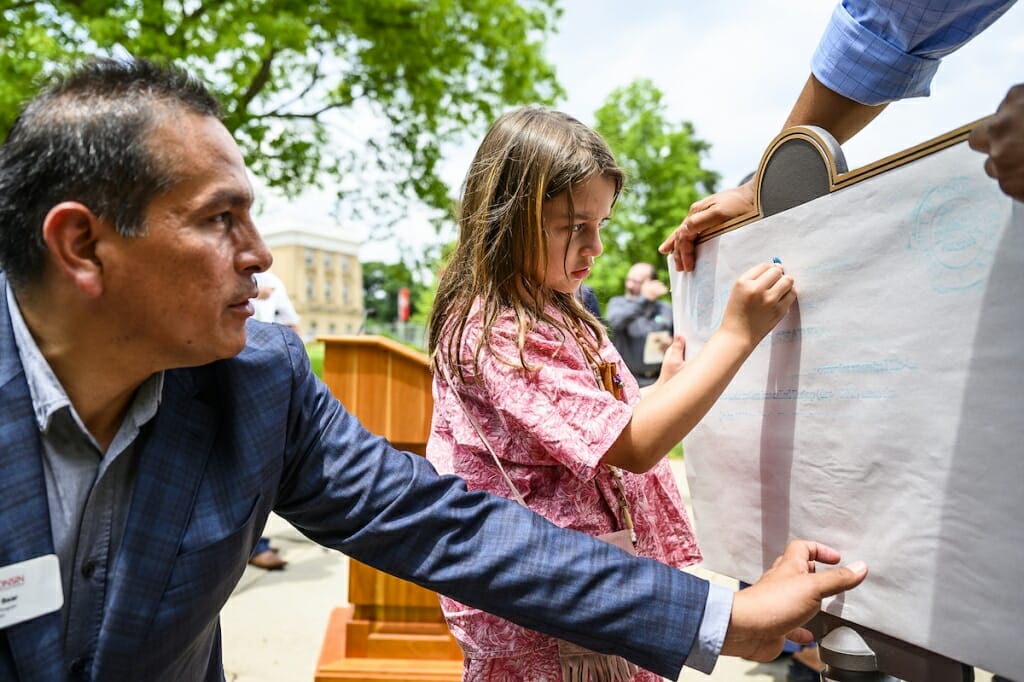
[(800, 164), (806, 162)]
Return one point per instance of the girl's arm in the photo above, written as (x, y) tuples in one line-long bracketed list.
[(760, 298)]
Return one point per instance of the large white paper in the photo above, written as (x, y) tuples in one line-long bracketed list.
[(884, 415)]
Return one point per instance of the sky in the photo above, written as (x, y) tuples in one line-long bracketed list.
[(733, 69)]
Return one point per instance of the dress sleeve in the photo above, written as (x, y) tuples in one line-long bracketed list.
[(553, 410)]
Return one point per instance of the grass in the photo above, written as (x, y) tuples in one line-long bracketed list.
[(676, 452), (315, 350)]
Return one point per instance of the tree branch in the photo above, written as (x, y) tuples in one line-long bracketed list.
[(314, 79), (309, 115), (260, 81)]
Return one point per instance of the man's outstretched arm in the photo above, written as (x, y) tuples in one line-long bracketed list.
[(870, 54)]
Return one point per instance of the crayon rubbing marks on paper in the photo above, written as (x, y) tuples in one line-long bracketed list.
[(702, 299), (956, 231), (868, 367), (813, 395), (795, 335)]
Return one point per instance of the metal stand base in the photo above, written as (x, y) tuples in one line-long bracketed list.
[(848, 658), (852, 653)]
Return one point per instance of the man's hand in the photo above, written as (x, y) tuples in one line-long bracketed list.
[(788, 595), (1001, 136), (653, 289), (705, 214)]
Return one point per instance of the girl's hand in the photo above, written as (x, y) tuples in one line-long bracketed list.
[(759, 299), (671, 364), (673, 360)]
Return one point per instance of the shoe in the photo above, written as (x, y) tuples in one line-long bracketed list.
[(269, 560), (798, 672)]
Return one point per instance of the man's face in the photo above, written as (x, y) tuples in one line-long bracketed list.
[(573, 239), (635, 278), (184, 286)]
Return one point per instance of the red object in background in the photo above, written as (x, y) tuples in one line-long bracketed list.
[(403, 304)]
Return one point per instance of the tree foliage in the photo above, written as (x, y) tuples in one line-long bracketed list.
[(662, 160), (366, 91), (381, 283)]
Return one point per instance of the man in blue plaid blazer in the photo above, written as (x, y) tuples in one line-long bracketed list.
[(148, 428)]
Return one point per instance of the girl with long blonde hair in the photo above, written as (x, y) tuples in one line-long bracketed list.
[(532, 401)]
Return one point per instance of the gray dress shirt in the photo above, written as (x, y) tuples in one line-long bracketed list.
[(88, 491)]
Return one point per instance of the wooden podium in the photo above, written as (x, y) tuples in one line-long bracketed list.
[(392, 629)]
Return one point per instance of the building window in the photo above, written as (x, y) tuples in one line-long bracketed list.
[(327, 261), (344, 265), (327, 291), (344, 292), (309, 258), (331, 328), (312, 328), (309, 288)]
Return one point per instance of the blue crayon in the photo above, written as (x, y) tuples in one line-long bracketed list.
[(777, 260)]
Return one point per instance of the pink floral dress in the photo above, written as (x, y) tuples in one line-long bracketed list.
[(550, 429)]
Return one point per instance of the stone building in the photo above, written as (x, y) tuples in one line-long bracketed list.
[(321, 270)]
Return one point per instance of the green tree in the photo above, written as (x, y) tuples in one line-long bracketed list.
[(400, 78), (662, 160), (381, 283), (433, 263)]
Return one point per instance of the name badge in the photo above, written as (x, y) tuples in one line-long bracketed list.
[(29, 589)]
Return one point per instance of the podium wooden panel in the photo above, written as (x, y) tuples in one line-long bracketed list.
[(392, 629)]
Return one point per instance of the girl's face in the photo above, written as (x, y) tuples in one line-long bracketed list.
[(573, 240)]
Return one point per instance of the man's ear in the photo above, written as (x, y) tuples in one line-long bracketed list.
[(71, 232)]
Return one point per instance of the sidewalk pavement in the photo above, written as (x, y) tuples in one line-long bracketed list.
[(274, 622)]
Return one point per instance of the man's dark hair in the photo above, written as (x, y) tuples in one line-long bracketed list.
[(85, 139)]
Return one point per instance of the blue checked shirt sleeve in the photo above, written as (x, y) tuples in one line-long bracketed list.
[(880, 51), (711, 635)]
